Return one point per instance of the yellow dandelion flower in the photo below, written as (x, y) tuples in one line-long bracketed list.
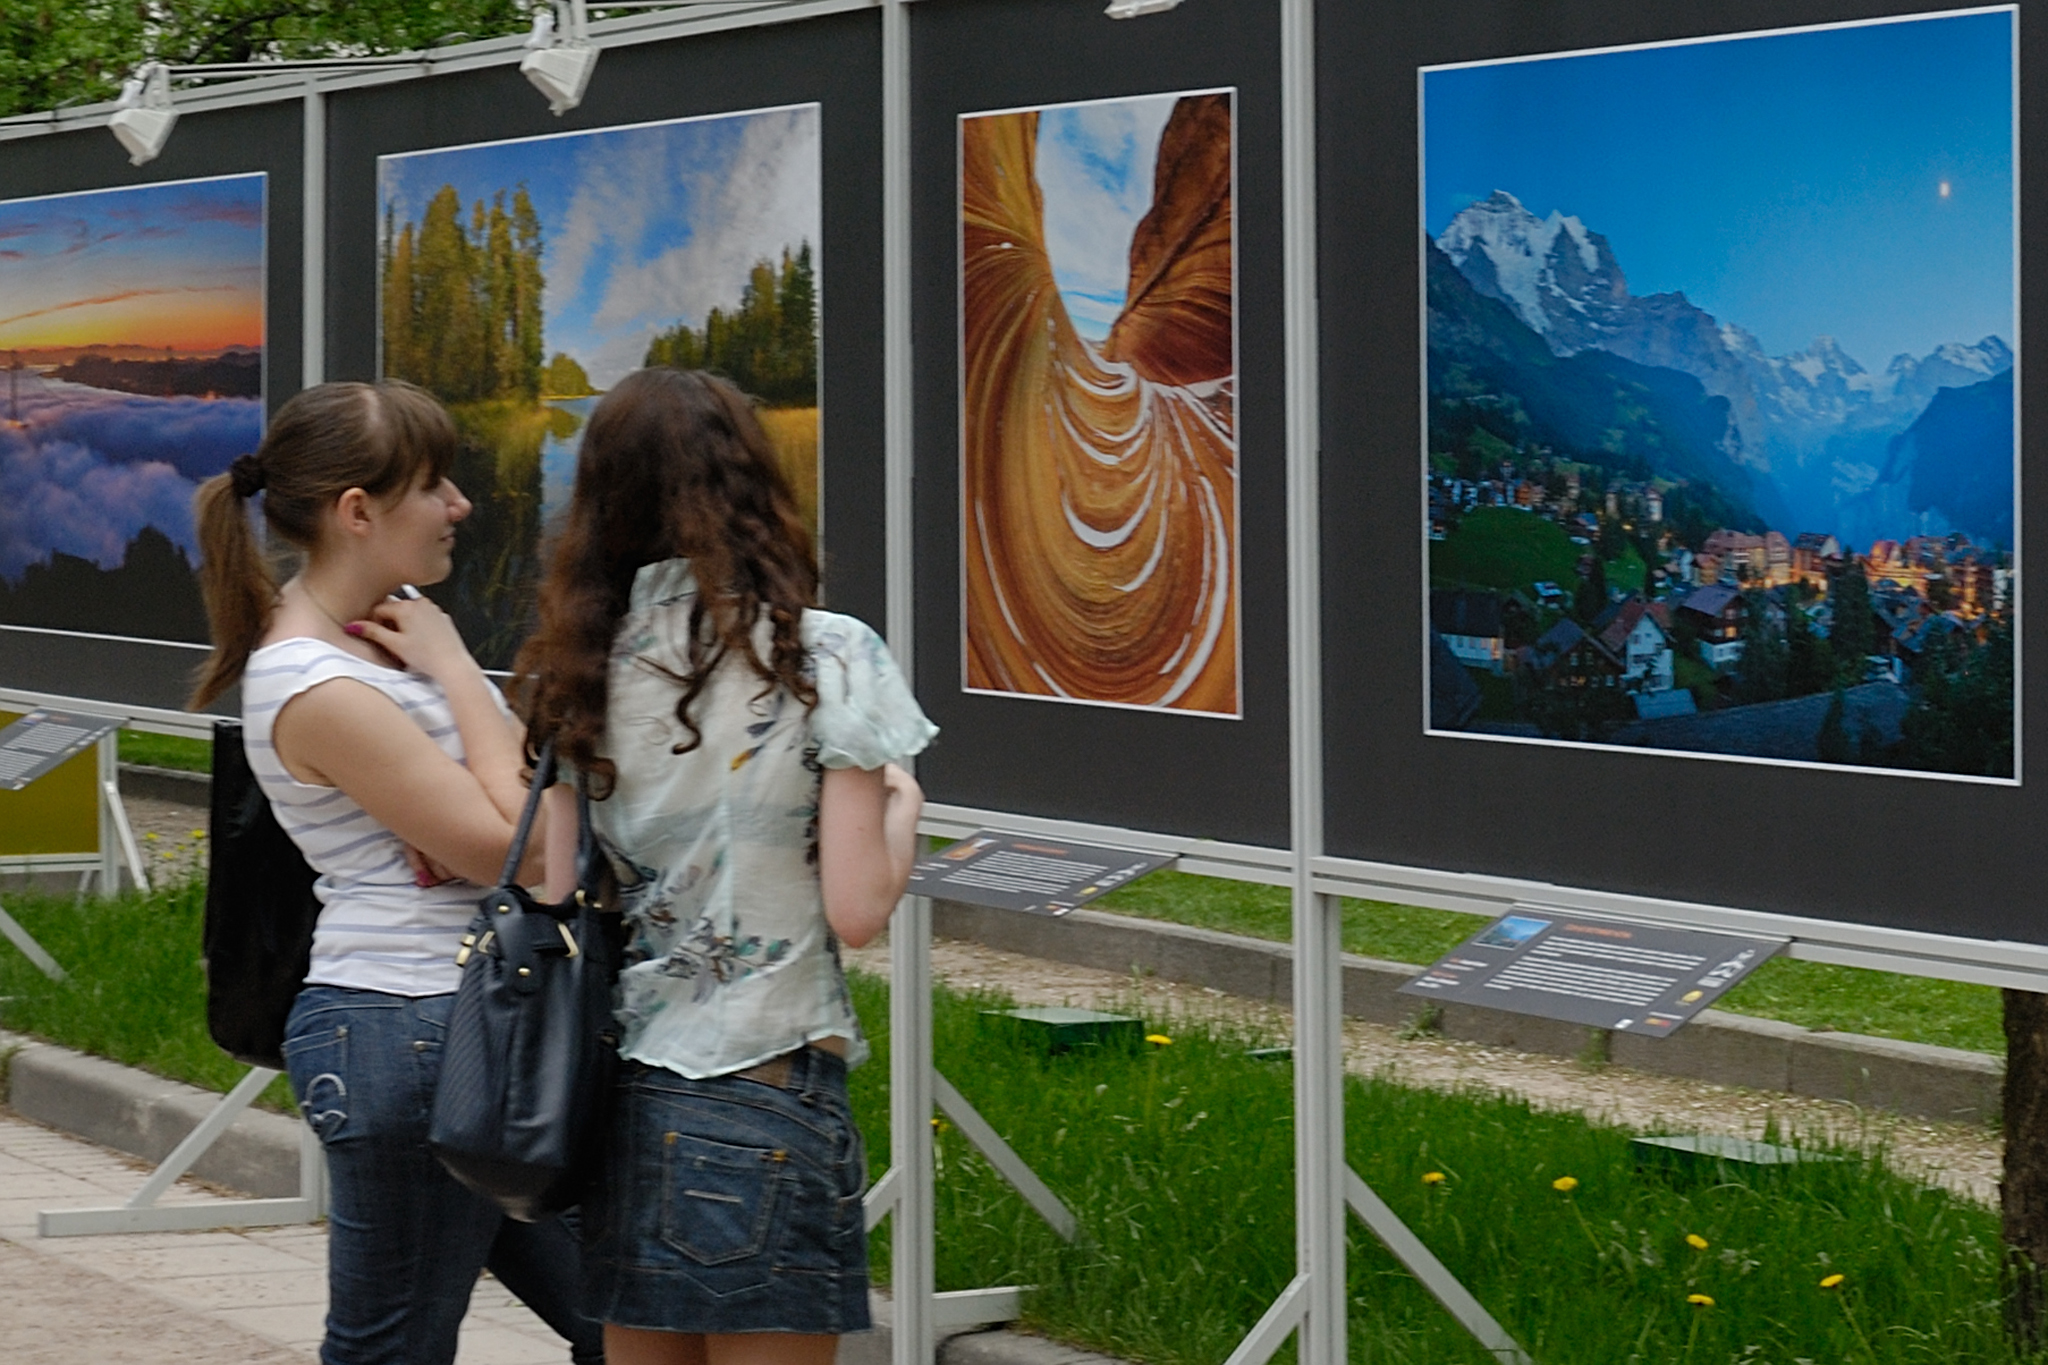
[(1158, 1040), (1700, 1300), (939, 1125), (152, 836), (199, 834), (1695, 1241), (1433, 1178), (1831, 1281), (1565, 1184)]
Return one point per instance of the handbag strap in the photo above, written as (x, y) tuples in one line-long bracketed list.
[(543, 777)]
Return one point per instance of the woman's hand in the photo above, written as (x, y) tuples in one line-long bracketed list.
[(419, 635)]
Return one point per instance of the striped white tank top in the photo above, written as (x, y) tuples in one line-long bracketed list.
[(378, 930)]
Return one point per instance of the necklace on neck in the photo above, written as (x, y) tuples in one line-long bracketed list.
[(321, 607)]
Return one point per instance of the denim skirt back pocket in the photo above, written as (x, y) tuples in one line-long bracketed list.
[(719, 1200)]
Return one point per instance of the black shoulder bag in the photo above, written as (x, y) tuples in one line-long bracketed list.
[(526, 1071), (260, 910)]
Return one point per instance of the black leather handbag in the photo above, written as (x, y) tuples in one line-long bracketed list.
[(531, 1049), (260, 911)]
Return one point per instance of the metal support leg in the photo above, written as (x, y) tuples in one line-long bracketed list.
[(110, 792), (910, 1127), (1004, 1158), (142, 1214), (1422, 1263), (32, 950)]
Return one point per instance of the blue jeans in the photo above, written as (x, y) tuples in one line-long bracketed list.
[(405, 1238)]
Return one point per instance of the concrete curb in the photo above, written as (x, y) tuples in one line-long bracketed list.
[(146, 1116), (167, 784), (1727, 1049)]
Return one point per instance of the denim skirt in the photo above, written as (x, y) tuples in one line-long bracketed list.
[(730, 1205)]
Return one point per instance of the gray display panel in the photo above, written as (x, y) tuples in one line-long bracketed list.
[(1860, 843)]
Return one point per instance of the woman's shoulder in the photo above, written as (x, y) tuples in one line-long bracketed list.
[(866, 714), (284, 668), (839, 635)]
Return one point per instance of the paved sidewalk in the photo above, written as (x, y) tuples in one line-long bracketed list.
[(180, 1298)]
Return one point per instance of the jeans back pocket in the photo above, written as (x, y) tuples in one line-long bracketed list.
[(719, 1201)]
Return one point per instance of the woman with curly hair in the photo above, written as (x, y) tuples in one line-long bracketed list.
[(741, 748)]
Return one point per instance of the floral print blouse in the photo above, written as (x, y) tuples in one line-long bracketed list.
[(730, 961)]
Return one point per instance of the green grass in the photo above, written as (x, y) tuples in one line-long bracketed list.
[(1177, 1163), (1813, 995), (136, 991), (1497, 547), (166, 751)]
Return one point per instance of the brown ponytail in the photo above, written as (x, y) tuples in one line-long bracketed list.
[(381, 438)]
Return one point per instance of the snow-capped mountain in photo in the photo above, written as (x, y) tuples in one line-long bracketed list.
[(1816, 424)]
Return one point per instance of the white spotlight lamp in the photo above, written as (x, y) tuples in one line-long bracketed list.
[(1134, 9), (562, 58), (145, 118)]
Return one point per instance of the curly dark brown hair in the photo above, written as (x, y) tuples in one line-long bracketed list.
[(674, 463)]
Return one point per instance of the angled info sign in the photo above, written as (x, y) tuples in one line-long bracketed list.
[(1042, 876), (1611, 974)]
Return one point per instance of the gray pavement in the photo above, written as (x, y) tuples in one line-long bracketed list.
[(179, 1298)]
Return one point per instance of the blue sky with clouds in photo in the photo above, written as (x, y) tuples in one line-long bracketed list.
[(1790, 183), (1095, 164), (641, 227)]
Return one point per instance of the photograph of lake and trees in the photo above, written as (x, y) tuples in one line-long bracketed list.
[(131, 369), (1720, 450), (521, 279)]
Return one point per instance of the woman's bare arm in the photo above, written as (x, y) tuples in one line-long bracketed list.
[(867, 844), (346, 734)]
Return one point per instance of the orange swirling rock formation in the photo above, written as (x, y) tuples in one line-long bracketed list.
[(1100, 482)]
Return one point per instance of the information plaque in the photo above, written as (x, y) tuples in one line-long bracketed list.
[(1041, 876), (41, 740), (1629, 977)]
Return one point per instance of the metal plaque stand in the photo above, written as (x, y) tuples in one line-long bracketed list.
[(117, 847)]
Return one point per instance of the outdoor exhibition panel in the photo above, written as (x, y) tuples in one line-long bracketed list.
[(714, 201), (1100, 549), (151, 314), (1671, 461)]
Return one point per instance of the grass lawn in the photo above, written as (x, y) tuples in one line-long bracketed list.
[(166, 751), (1811, 994), (1498, 547), (1177, 1162), (137, 990)]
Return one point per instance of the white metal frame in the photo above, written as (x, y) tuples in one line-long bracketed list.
[(1313, 1305)]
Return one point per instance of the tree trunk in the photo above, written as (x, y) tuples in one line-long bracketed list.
[(2023, 1192)]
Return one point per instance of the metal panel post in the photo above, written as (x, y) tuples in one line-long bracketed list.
[(910, 965), (107, 778), (313, 229), (1318, 985)]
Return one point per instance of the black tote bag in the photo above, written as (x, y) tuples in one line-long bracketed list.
[(531, 1047)]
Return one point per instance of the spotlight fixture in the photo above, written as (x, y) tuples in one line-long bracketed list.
[(144, 121), (562, 58), (1133, 9)]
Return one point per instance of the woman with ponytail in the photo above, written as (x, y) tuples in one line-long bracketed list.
[(740, 746), (394, 764)]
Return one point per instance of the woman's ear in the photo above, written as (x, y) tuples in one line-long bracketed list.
[(355, 513)]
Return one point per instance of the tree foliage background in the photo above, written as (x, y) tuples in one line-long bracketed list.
[(768, 345), (61, 52), (462, 305)]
